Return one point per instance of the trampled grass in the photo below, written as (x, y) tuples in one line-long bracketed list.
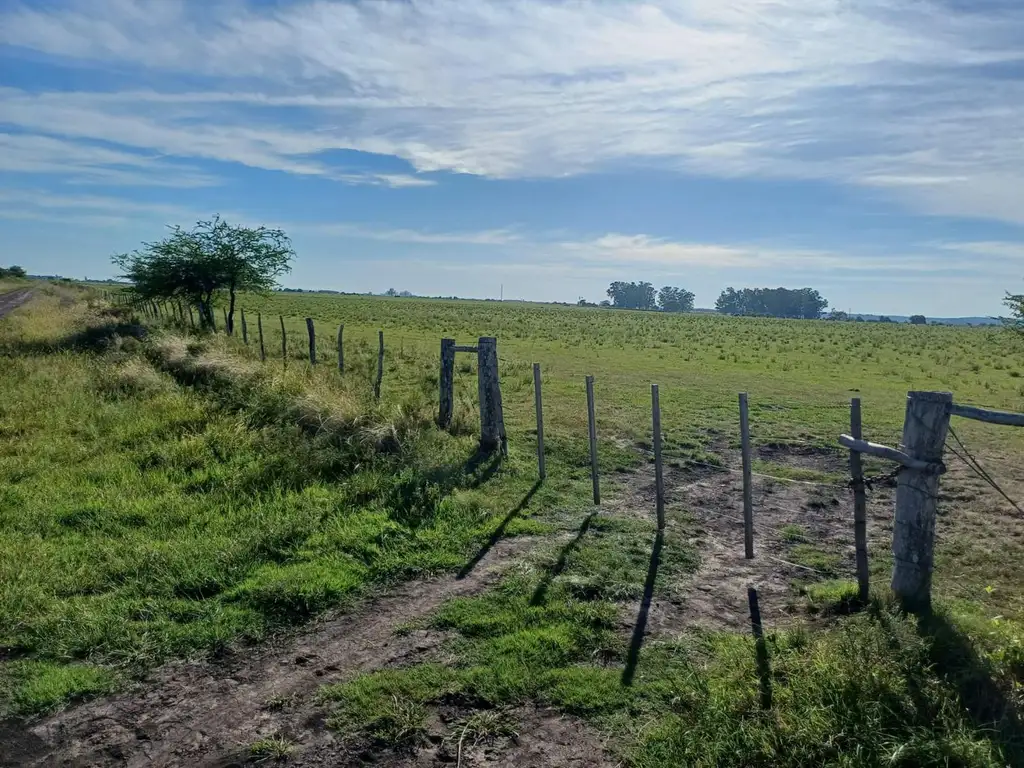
[(168, 496)]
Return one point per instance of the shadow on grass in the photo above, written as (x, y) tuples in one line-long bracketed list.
[(640, 628), (96, 338), (541, 593), (975, 680), (499, 532), (764, 667)]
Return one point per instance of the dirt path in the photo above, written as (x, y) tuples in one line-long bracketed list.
[(208, 713), (11, 301)]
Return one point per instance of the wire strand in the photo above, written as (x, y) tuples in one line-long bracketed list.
[(980, 471)]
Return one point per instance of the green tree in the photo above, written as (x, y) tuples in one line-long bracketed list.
[(1015, 303), (805, 303), (212, 258), (918, 320), (633, 295), (675, 299)]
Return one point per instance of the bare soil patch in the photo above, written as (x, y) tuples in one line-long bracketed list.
[(208, 713), (803, 532), (542, 738)]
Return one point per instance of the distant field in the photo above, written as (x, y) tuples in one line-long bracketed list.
[(790, 368), (163, 496)]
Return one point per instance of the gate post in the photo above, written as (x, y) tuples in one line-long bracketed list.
[(913, 535), (447, 397), (492, 420)]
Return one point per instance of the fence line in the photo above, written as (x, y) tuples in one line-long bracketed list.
[(918, 457)]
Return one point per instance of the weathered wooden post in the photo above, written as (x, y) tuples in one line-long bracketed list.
[(913, 536), (541, 469), (659, 479), (380, 365), (447, 384), (860, 515), (748, 488), (312, 340), (191, 318), (259, 328), (592, 429), (492, 419), (245, 328), (284, 341), (341, 348), (227, 323)]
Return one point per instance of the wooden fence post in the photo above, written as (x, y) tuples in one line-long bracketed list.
[(748, 489), (259, 328), (191, 317), (227, 325), (659, 479), (592, 428), (860, 516), (284, 341), (541, 469), (245, 328), (492, 418), (913, 535), (312, 340), (341, 348), (446, 402), (380, 365)]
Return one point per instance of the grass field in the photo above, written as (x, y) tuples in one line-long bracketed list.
[(164, 495)]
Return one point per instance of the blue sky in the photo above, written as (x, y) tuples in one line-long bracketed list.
[(873, 149)]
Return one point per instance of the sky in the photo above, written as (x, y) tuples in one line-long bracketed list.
[(536, 149)]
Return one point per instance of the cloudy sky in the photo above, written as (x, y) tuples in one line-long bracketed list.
[(873, 149)]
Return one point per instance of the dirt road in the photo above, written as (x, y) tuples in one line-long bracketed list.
[(13, 300)]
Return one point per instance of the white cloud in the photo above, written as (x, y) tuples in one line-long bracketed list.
[(919, 101)]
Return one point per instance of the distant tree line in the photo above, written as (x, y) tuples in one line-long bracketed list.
[(12, 271), (805, 303), (643, 295)]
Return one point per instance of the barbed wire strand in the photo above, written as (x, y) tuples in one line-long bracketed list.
[(973, 463)]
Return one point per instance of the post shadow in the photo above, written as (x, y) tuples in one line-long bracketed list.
[(540, 594), (633, 658), (955, 659), (764, 668), (498, 532)]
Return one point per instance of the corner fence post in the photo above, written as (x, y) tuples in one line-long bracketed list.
[(447, 383), (492, 419), (913, 537)]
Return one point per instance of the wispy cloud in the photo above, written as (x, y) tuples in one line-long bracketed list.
[(923, 102), (418, 237)]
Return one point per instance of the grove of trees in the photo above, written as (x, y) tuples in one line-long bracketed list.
[(805, 303), (675, 299), (918, 320), (211, 259), (12, 271), (643, 295)]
